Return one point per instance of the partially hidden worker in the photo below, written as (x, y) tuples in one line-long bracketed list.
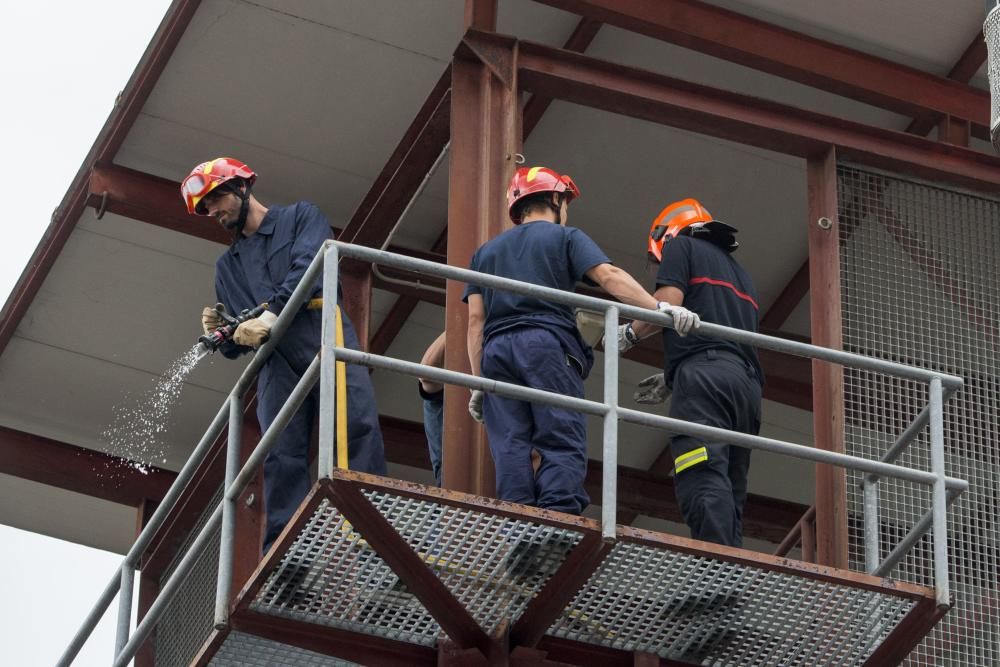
[(271, 249), (713, 381), (536, 343)]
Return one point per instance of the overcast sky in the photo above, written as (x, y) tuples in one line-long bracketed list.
[(61, 65)]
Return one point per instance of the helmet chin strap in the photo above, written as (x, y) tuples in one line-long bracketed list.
[(244, 196)]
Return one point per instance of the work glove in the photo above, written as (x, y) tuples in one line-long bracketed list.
[(476, 405), (254, 333), (652, 390), (684, 319), (626, 338), (210, 318)]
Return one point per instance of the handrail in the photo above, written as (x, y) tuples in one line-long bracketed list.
[(941, 387)]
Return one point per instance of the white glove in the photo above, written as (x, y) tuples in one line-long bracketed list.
[(476, 405), (626, 338), (210, 318), (684, 319), (254, 333), (652, 390)]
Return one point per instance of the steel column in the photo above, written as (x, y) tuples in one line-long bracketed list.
[(485, 133), (939, 499), (828, 380), (326, 457), (227, 546), (124, 606), (609, 493)]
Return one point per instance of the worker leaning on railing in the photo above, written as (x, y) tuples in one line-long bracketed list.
[(714, 381), (271, 249), (536, 343)]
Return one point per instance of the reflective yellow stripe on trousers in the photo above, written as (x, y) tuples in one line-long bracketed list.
[(688, 459)]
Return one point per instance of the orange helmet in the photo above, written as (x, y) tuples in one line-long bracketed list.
[(209, 175), (532, 180), (689, 215)]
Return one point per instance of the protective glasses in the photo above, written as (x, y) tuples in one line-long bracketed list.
[(195, 187), (571, 185)]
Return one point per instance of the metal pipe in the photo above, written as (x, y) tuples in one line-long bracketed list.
[(939, 497), (285, 414), (328, 366), (904, 440), (227, 539), (714, 434), (911, 538), (124, 606), (848, 359), (644, 418), (169, 591), (609, 471), (89, 623), (872, 524)]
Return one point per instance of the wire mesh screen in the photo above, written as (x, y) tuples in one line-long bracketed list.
[(920, 281), (703, 611), (991, 31), (189, 618)]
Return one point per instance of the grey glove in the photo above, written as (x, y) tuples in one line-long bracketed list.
[(626, 338), (684, 319), (476, 405), (254, 333), (652, 390), (210, 318)]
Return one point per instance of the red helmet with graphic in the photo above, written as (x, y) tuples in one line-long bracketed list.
[(687, 216), (528, 181), (209, 175)]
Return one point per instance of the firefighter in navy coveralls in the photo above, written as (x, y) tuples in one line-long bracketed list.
[(713, 381), (536, 343), (271, 249)]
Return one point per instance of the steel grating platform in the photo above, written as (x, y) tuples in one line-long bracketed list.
[(378, 571)]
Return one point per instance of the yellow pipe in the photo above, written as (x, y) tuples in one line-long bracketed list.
[(341, 398)]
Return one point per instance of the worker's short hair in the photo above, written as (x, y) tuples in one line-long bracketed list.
[(540, 200)]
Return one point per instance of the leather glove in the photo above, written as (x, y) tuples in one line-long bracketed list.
[(626, 338), (254, 333), (210, 319), (476, 405), (652, 390), (684, 319)]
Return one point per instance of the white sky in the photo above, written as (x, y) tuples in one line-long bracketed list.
[(62, 63)]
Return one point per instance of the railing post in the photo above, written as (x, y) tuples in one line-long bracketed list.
[(124, 606), (227, 536), (939, 498), (328, 365), (609, 483), (872, 523)]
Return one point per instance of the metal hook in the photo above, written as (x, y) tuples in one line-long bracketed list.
[(104, 205), (518, 158)]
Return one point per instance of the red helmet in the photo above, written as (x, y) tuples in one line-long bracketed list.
[(209, 175), (691, 215), (532, 180)]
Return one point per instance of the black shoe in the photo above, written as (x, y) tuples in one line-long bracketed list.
[(700, 644), (700, 603)]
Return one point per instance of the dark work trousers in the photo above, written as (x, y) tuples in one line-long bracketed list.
[(716, 388), (533, 357), (286, 469)]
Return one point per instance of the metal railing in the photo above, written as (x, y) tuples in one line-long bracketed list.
[(941, 386)]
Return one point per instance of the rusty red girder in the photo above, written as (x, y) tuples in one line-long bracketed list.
[(751, 42), (105, 147)]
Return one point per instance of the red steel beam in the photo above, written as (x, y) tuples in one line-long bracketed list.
[(828, 379), (481, 14), (740, 118), (105, 147), (791, 55), (409, 567), (579, 40), (80, 469), (968, 64), (405, 169)]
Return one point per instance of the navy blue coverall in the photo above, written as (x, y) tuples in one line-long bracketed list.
[(715, 382), (266, 267), (536, 343)]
